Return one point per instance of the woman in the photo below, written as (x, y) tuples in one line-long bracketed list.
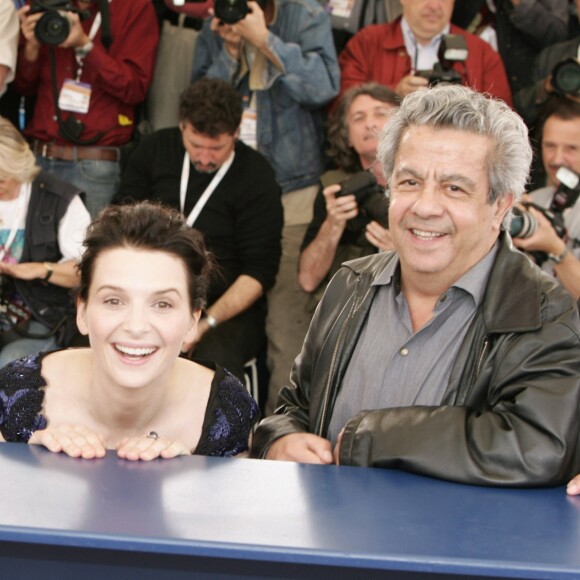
[(42, 225), (143, 278)]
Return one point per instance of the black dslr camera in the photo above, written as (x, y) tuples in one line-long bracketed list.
[(524, 224), (232, 11), (451, 50), (566, 77), (373, 205), (54, 26)]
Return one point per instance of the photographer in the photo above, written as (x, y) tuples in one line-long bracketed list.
[(393, 54), (279, 54), (334, 235), (96, 83), (529, 101), (560, 148)]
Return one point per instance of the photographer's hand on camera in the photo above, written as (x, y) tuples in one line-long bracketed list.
[(379, 236), (317, 258), (410, 84), (253, 29), (77, 36), (544, 239), (339, 209), (27, 26)]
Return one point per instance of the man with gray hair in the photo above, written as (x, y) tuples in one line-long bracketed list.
[(453, 356)]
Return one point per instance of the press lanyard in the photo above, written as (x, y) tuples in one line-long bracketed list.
[(208, 190), (23, 196), (92, 33)]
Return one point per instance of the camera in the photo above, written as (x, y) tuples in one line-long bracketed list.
[(524, 224), (373, 205), (54, 26), (451, 50), (566, 77), (232, 11)]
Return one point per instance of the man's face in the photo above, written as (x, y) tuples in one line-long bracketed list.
[(560, 146), (365, 119), (427, 18), (439, 216), (207, 154)]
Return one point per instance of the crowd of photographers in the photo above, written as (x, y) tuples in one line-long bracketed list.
[(318, 82)]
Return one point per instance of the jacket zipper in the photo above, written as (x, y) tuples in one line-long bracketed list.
[(483, 352)]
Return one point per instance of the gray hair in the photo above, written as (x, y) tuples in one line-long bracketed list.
[(457, 107)]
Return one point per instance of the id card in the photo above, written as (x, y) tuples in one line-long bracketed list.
[(341, 8), (74, 96), (249, 127)]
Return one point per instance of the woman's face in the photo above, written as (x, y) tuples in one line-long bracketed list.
[(137, 315)]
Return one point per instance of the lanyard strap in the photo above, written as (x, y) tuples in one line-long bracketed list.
[(194, 214), (22, 197), (92, 33)]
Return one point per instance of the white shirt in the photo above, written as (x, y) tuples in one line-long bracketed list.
[(9, 28)]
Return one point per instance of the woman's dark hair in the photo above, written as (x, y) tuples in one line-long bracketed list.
[(345, 157), (212, 107), (148, 226)]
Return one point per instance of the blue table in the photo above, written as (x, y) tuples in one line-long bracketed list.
[(223, 518)]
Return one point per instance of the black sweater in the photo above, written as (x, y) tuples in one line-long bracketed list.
[(241, 221)]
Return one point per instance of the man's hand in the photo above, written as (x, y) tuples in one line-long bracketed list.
[(545, 239), (573, 487), (410, 84), (379, 236), (339, 209), (253, 27), (27, 26), (77, 37), (74, 440), (302, 448)]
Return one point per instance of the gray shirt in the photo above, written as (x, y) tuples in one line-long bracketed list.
[(392, 366)]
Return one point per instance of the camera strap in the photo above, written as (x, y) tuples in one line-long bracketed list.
[(194, 214)]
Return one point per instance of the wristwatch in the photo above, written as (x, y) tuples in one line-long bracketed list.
[(82, 51), (557, 258), (49, 271)]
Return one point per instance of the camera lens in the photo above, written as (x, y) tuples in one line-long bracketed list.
[(523, 224), (566, 77), (52, 28), (230, 11)]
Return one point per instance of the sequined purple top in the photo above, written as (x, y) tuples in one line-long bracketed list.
[(230, 414)]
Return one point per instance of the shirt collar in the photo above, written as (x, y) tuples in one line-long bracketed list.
[(474, 281)]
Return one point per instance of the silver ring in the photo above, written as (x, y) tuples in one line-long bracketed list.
[(153, 435)]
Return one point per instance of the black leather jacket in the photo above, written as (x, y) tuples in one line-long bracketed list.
[(510, 414)]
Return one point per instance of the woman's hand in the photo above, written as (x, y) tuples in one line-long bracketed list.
[(573, 487), (74, 440), (148, 447)]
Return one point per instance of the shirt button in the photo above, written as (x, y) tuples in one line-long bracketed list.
[(404, 351)]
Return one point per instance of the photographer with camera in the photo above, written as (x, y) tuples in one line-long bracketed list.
[(393, 54), (90, 63), (342, 228), (556, 71), (279, 54), (551, 227)]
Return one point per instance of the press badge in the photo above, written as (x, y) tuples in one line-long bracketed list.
[(340, 8), (74, 96)]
